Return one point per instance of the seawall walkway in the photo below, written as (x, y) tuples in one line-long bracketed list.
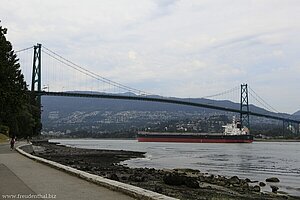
[(22, 176)]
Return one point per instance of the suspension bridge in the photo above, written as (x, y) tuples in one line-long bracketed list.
[(74, 77)]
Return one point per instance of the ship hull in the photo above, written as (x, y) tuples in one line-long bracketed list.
[(148, 137)]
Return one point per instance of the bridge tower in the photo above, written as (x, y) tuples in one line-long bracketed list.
[(244, 108), (36, 82)]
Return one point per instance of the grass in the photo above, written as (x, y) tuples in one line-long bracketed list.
[(3, 138)]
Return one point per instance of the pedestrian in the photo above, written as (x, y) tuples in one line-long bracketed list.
[(12, 143)]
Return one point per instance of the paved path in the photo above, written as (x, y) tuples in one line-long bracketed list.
[(20, 175)]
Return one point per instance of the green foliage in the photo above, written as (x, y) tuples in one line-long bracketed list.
[(3, 138), (4, 130), (18, 110)]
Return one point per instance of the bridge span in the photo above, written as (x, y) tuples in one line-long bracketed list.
[(163, 100), (37, 91)]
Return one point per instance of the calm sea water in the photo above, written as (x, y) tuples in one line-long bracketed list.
[(256, 161)]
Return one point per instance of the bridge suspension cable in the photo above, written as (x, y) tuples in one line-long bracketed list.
[(89, 73), (25, 49), (223, 93), (25, 60), (261, 101), (232, 95)]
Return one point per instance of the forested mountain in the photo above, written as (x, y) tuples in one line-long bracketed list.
[(67, 105), (57, 108), (297, 113)]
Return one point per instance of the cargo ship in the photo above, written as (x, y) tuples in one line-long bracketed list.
[(233, 133)]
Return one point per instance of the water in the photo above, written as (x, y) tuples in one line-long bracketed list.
[(256, 161)]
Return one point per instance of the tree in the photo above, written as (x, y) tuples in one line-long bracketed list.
[(17, 108)]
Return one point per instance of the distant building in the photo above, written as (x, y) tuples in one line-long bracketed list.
[(53, 115)]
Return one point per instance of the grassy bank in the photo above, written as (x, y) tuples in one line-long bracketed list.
[(3, 138)]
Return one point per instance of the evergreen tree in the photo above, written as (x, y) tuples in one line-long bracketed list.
[(18, 110)]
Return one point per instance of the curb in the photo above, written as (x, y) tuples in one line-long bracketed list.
[(133, 191)]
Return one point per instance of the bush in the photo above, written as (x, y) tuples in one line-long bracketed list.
[(4, 130)]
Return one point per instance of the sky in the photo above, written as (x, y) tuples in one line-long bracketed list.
[(181, 48)]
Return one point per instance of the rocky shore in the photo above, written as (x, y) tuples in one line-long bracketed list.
[(180, 183)]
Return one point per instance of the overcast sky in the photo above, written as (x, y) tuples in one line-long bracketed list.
[(184, 48)]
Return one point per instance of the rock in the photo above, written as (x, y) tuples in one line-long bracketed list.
[(113, 177), (191, 182), (272, 179), (245, 185), (187, 170), (140, 179), (248, 180), (209, 179), (234, 180), (256, 188), (221, 178), (262, 184), (174, 179), (151, 170), (221, 183), (70, 162), (201, 178), (158, 189), (86, 168), (136, 178), (274, 188)]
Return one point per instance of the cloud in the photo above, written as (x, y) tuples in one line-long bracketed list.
[(132, 55), (182, 48)]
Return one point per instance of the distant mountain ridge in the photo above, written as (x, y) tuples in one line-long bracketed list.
[(297, 113), (67, 105)]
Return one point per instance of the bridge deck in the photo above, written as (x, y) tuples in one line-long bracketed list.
[(164, 100)]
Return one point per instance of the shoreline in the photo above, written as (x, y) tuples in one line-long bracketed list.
[(179, 183), (276, 140), (254, 140)]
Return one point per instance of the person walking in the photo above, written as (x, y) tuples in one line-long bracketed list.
[(12, 143)]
